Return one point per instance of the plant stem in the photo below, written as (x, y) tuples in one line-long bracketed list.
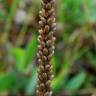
[(9, 19)]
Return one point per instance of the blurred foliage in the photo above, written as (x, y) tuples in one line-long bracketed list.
[(74, 61)]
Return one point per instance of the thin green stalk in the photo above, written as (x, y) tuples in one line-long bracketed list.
[(21, 35), (10, 18)]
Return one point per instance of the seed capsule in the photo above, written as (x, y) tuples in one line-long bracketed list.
[(42, 86), (40, 53), (47, 94), (42, 3), (38, 56), (40, 38), (44, 13), (50, 56), (40, 78), (51, 12), (43, 19), (50, 21), (41, 24), (49, 43), (41, 68), (45, 1), (47, 67), (39, 47), (43, 44), (44, 58), (48, 6), (37, 93), (48, 83), (54, 25), (45, 51), (53, 39), (50, 35), (47, 28), (40, 61), (40, 31), (44, 76)]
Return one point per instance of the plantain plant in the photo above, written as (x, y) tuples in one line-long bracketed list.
[(46, 47)]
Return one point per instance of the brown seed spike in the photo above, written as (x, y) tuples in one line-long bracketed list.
[(46, 47)]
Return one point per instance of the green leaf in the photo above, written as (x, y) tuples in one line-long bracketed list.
[(24, 57), (30, 50), (72, 11), (91, 10), (31, 86), (19, 57), (54, 62), (6, 81), (62, 76), (91, 58), (2, 15), (76, 82)]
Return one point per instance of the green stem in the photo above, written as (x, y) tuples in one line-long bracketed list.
[(9, 19)]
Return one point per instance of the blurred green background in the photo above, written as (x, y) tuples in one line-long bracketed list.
[(74, 61)]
